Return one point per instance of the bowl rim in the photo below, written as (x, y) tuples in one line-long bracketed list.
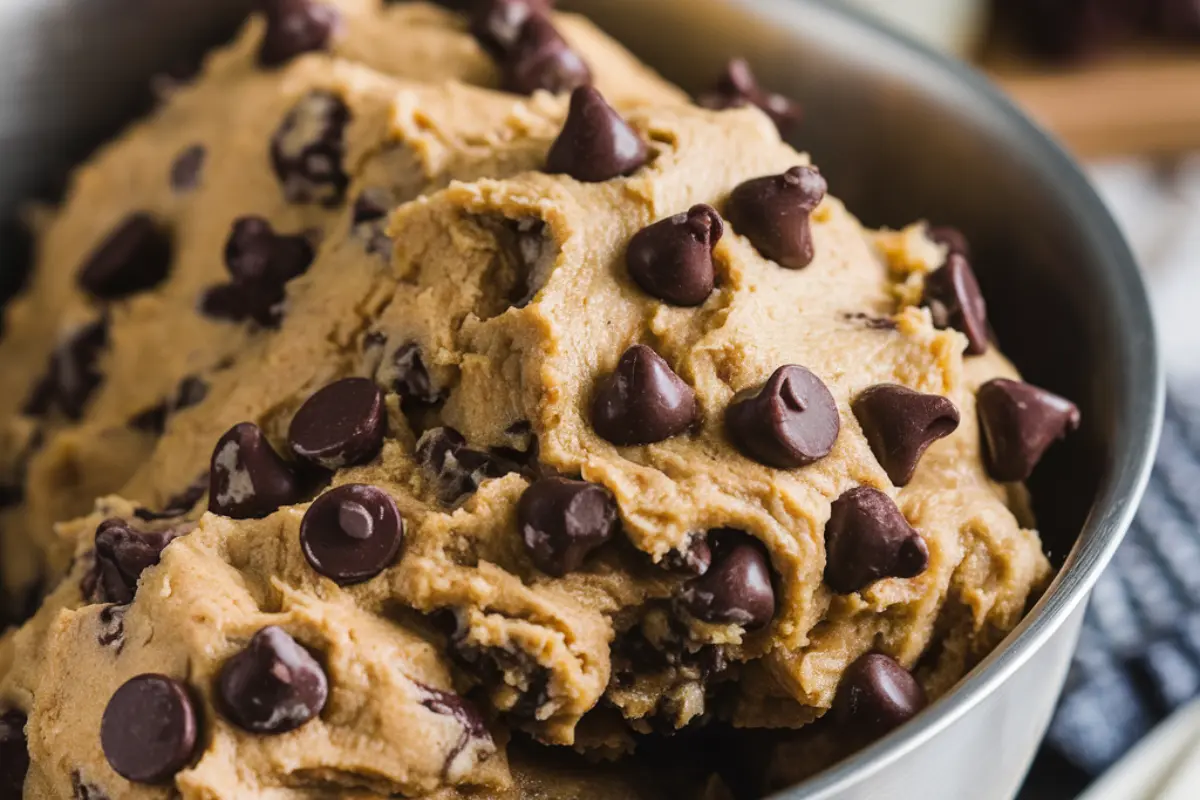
[(1139, 416)]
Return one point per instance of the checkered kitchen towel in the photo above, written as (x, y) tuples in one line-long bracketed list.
[(1139, 655)]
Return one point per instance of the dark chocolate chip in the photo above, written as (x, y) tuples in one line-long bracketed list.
[(694, 559), (190, 392), (562, 521), (774, 214), (497, 24), (737, 588), (866, 539), (123, 554), (112, 627), (412, 381), (178, 505), (900, 424), (72, 374), (875, 696), (457, 469), (148, 731), (738, 87), (541, 59), (185, 171), (954, 240), (308, 148), (449, 704), (791, 421), (135, 257), (295, 27), (341, 425), (1020, 422), (14, 755), (954, 300), (274, 685), (82, 790), (596, 144), (352, 533), (248, 479), (256, 255), (370, 221), (11, 495), (673, 258), (643, 401), (152, 420), (235, 302)]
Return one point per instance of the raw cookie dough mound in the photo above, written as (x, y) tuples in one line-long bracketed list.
[(145, 256), (632, 430)]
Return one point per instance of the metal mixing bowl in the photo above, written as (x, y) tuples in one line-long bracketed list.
[(901, 133)]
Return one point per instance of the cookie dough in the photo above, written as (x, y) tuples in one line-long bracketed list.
[(527, 426)]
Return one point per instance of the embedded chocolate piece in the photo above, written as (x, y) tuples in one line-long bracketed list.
[(738, 87), (791, 421), (673, 258), (134, 258), (122, 555), (866, 539), (295, 27), (1020, 422), (274, 685), (954, 300), (308, 149), (774, 214), (14, 754), (148, 732), (185, 171), (248, 478), (341, 425), (736, 589), (596, 144), (541, 60), (900, 424), (875, 696), (352, 533), (561, 521), (643, 401)]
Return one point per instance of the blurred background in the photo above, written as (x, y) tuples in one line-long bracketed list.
[(1118, 81)]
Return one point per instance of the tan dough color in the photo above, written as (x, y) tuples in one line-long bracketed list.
[(475, 223)]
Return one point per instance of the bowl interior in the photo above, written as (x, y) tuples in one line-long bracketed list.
[(900, 133)]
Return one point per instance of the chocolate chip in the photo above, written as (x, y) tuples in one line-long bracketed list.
[(148, 731), (952, 239), (152, 420), (248, 478), (256, 255), (774, 214), (736, 589), (497, 24), (900, 424), (412, 381), (595, 144), (694, 559), (178, 505), (122, 555), (135, 257), (190, 392), (14, 754), (643, 401), (370, 214), (112, 627), (457, 469), (352, 533), (541, 59), (307, 150), (262, 303), (72, 374), (954, 301), (875, 696), (673, 258), (738, 87), (449, 704), (1020, 422), (82, 790), (295, 27), (342, 425), (185, 171), (274, 685), (866, 539), (791, 421), (561, 521), (11, 495)]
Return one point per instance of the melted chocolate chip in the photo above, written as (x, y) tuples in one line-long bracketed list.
[(352, 533), (497, 24), (562, 521), (186, 169), (272, 686), (295, 27), (112, 627), (256, 255), (643, 401), (149, 729), (72, 375), (866, 539), (774, 214), (457, 469), (14, 754), (875, 696), (900, 424), (412, 381), (135, 257), (248, 478), (738, 87), (308, 148), (1020, 422), (342, 425), (736, 589), (122, 555), (791, 421), (954, 300), (596, 144), (673, 258), (541, 59)]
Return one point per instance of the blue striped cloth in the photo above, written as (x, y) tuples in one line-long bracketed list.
[(1139, 653)]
